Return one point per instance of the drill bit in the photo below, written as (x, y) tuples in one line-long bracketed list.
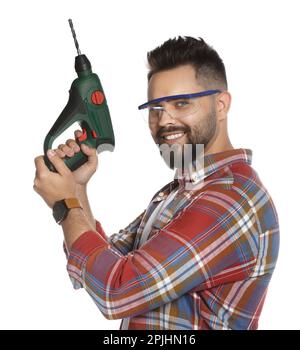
[(74, 37)]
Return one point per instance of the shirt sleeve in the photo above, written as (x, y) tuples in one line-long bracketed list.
[(123, 240), (211, 242)]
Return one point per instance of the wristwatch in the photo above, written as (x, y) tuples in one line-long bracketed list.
[(61, 208)]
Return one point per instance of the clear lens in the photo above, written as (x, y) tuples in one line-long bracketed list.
[(145, 114), (177, 109), (183, 107)]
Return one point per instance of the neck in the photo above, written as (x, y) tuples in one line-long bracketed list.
[(220, 142), (221, 146)]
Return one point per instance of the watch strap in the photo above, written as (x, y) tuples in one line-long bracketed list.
[(72, 203)]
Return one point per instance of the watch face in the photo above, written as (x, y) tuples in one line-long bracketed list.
[(60, 211)]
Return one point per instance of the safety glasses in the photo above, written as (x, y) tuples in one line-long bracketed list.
[(176, 106)]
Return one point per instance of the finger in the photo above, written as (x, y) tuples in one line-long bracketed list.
[(72, 144), (59, 164), (66, 149), (60, 153), (91, 153), (77, 133)]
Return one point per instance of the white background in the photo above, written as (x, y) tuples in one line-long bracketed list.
[(259, 43)]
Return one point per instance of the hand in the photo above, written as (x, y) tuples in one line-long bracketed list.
[(83, 174), (53, 186)]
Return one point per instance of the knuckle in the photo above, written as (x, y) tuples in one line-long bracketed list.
[(66, 149), (70, 142), (41, 176), (60, 153), (73, 145)]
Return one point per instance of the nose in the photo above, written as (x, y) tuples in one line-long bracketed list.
[(165, 118)]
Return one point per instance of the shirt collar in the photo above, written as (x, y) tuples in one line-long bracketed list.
[(213, 163)]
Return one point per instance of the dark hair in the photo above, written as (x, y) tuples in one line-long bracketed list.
[(172, 53)]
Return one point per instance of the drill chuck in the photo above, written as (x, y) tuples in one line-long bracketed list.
[(82, 64)]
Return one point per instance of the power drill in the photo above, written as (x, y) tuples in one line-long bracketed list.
[(87, 105)]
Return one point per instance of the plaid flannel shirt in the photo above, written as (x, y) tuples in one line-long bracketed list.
[(208, 260)]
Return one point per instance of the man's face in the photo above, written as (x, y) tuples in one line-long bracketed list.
[(197, 128)]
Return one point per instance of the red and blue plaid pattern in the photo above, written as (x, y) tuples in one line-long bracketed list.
[(208, 260)]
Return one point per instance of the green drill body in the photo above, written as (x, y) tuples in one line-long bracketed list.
[(87, 105)]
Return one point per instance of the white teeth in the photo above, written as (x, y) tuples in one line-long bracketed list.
[(173, 137)]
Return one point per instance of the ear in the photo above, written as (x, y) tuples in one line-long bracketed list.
[(223, 101)]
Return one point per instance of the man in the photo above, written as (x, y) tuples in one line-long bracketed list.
[(202, 254)]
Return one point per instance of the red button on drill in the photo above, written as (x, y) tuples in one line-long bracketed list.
[(97, 97), (83, 136)]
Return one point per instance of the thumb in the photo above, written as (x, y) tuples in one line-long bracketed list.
[(59, 164), (90, 152)]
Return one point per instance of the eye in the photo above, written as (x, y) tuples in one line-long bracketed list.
[(181, 103)]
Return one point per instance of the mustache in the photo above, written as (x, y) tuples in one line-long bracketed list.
[(172, 129)]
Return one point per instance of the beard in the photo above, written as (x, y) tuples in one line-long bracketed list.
[(179, 156)]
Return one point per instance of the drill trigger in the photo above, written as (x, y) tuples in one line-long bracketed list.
[(83, 137)]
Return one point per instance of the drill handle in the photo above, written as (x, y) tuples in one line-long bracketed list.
[(74, 111)]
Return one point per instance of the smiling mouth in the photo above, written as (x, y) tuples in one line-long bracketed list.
[(172, 137)]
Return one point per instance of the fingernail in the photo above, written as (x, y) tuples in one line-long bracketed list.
[(50, 153)]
